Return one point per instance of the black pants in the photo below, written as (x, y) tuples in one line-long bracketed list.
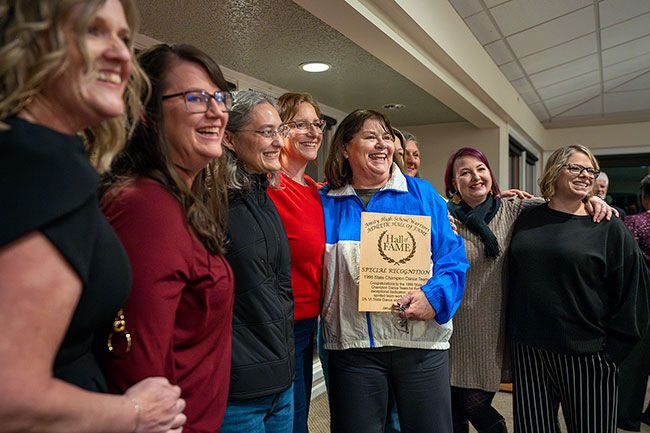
[(359, 390), (585, 385), (475, 406)]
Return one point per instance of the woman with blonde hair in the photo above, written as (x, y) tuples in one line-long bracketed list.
[(578, 303), (67, 68)]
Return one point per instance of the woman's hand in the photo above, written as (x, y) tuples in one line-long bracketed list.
[(599, 209), (417, 306), (160, 406), (452, 223), (516, 193)]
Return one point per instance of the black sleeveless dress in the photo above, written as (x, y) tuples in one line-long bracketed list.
[(47, 184)]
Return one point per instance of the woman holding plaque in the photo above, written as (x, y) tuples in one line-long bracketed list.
[(407, 348)]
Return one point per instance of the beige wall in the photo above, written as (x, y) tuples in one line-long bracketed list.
[(627, 135), (437, 142)]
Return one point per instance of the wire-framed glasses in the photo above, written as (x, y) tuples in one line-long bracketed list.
[(577, 169), (304, 126), (399, 321), (198, 101), (282, 132)]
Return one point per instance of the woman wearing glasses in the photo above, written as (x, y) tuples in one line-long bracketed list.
[(578, 303), (300, 209), (370, 353), (261, 394), (168, 206)]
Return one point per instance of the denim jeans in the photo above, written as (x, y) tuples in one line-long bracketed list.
[(303, 331), (271, 414)]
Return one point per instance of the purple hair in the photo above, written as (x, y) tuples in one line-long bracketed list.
[(449, 170)]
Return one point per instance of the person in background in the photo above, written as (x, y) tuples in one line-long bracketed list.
[(634, 371), (601, 188), (578, 303), (411, 154), (263, 359), (301, 212), (399, 149), (168, 206), (67, 70), (367, 351)]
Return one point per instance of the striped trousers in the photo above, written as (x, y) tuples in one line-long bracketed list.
[(585, 385)]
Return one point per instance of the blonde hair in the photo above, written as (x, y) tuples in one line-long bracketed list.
[(34, 50), (555, 164)]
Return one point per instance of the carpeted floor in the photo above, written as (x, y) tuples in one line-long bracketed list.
[(319, 414)]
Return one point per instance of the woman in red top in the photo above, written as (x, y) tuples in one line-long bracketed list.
[(300, 209), (168, 208)]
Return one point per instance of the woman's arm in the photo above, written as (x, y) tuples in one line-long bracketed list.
[(38, 294)]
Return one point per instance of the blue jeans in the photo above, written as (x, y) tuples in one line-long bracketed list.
[(272, 414), (303, 331)]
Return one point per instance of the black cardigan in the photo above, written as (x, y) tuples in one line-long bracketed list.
[(258, 252)]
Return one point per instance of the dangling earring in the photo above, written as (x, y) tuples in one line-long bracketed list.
[(456, 199)]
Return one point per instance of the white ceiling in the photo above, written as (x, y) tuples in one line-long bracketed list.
[(572, 61)]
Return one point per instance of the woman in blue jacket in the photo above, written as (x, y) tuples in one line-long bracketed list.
[(369, 351)]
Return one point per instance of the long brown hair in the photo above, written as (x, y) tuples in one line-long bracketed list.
[(148, 152)]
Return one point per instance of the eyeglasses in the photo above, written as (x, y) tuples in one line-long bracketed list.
[(198, 101), (281, 132), (304, 126), (577, 169), (399, 321)]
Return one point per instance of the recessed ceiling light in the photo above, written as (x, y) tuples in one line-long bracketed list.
[(393, 106), (315, 67)]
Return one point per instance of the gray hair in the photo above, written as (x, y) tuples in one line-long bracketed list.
[(603, 176), (244, 101), (408, 136)]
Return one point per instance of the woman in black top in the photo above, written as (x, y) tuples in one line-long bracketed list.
[(63, 273), (261, 394), (578, 303)]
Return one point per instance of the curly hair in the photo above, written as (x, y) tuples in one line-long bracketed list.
[(147, 154), (34, 51), (555, 163)]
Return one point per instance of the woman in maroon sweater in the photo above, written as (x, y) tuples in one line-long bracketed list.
[(300, 209), (172, 227)]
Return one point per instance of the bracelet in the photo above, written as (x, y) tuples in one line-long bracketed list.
[(138, 411)]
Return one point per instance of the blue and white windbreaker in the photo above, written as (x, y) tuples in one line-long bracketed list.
[(344, 327)]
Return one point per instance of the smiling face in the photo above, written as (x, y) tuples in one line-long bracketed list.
[(303, 146), (86, 95), (572, 187), (472, 180), (194, 138), (259, 154), (601, 188), (412, 157), (370, 154)]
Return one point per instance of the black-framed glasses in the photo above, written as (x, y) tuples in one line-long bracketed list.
[(399, 321), (198, 101), (304, 126), (577, 169), (282, 132)]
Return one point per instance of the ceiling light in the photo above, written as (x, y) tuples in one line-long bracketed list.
[(393, 106), (315, 66)]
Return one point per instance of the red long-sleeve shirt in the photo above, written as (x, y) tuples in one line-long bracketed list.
[(179, 312), (301, 213)]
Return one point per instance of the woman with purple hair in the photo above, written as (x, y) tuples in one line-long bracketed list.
[(484, 218)]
